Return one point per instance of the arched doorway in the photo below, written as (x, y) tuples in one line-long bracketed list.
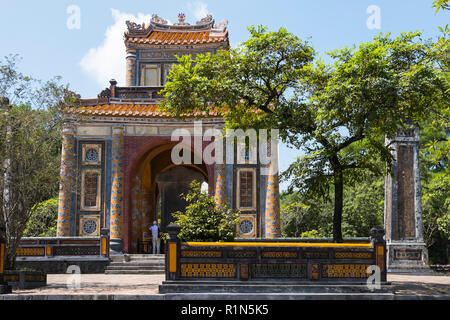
[(157, 180)]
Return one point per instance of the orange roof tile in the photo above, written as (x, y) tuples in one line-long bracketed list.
[(180, 37), (135, 111)]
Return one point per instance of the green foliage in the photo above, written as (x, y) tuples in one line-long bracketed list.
[(363, 204), (258, 75), (203, 220), (441, 5), (301, 213), (338, 113), (436, 204), (312, 234), (43, 220), (363, 208), (30, 146)]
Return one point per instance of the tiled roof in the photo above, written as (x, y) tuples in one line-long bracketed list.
[(180, 37), (133, 111)]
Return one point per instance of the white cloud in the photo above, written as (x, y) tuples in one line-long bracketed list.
[(199, 9), (107, 61)]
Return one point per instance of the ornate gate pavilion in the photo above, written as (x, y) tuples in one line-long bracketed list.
[(116, 168)]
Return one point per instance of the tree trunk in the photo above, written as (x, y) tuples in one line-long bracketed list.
[(338, 206)]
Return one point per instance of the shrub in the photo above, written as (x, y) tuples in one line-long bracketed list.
[(203, 220), (43, 220)]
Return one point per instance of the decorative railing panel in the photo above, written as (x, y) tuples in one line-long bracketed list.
[(65, 247), (277, 261)]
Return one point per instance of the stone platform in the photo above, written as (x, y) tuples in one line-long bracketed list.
[(145, 287), (254, 287)]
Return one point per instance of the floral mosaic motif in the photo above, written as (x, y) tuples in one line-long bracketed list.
[(345, 271), (30, 251), (246, 227), (353, 255), (200, 254), (140, 212), (208, 270), (117, 176), (91, 155), (220, 192), (272, 220), (90, 227), (65, 192)]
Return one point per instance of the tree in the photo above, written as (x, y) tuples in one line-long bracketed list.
[(435, 178), (30, 140), (304, 213), (441, 5), (307, 213), (338, 113), (43, 220), (364, 202), (204, 220)]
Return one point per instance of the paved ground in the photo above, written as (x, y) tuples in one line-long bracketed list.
[(101, 284)]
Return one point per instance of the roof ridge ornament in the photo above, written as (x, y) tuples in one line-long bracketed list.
[(206, 20), (221, 26), (133, 26), (158, 20), (181, 20)]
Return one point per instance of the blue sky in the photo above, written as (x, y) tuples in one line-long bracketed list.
[(87, 57)]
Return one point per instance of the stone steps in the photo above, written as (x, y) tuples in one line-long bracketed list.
[(136, 264)]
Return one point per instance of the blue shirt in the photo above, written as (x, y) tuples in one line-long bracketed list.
[(154, 229)]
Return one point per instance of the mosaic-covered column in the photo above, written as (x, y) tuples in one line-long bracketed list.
[(117, 182), (272, 205), (221, 187), (131, 67), (403, 206), (136, 213), (66, 182)]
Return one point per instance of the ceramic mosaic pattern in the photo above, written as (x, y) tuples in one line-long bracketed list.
[(65, 192), (272, 212), (117, 179), (140, 213), (221, 187), (131, 68)]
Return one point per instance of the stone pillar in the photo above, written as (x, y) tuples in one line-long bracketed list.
[(221, 186), (117, 182), (173, 253), (66, 186), (403, 206), (272, 205), (131, 67)]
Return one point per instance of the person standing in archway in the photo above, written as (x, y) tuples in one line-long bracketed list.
[(156, 241)]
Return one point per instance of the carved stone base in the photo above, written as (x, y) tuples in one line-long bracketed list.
[(5, 289), (115, 246), (407, 257)]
